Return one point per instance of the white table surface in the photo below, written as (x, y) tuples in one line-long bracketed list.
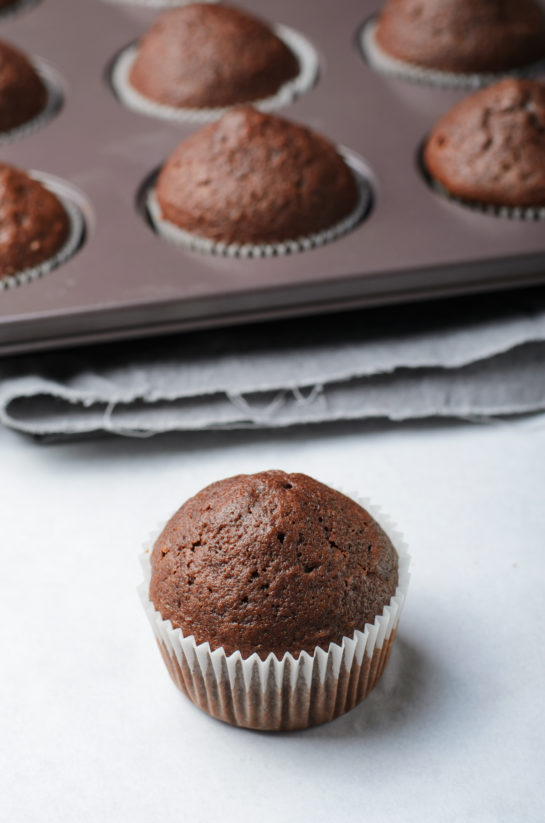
[(92, 729)]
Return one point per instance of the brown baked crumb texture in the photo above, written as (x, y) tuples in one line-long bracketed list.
[(206, 56), (466, 36), (490, 148), (34, 224), (255, 178), (22, 92), (272, 562)]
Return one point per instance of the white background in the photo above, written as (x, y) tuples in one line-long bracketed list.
[(92, 729)]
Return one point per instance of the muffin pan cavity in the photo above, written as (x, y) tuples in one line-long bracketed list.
[(126, 281)]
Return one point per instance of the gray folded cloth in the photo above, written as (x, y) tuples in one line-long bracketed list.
[(479, 357)]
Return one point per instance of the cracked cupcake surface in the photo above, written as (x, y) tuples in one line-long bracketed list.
[(22, 92), (255, 178), (272, 562), (466, 36), (211, 56), (33, 222), (490, 148)]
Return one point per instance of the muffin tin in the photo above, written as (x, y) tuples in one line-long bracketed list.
[(125, 281)]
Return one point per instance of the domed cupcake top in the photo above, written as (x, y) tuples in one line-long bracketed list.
[(272, 562), (210, 55), (490, 148), (255, 178), (22, 92), (466, 36), (33, 223)]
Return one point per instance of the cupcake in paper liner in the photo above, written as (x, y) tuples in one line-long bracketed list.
[(488, 152), (199, 60), (254, 185), (29, 94), (40, 228), (456, 43), (275, 600)]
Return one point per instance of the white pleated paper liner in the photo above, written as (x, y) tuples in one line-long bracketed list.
[(174, 234), (287, 694), (53, 105), (19, 7), (384, 63), (530, 214), (70, 246), (305, 80)]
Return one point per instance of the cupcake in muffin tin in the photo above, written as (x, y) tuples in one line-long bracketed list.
[(198, 60), (274, 600), (256, 184), (39, 230), (30, 94), (456, 42), (210, 56), (23, 94), (489, 150)]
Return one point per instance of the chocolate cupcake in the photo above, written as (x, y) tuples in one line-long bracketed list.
[(455, 42), (490, 149), (35, 224), (23, 94), (210, 56), (273, 579), (467, 36), (253, 179)]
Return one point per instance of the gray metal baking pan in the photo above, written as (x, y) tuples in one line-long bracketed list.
[(125, 281)]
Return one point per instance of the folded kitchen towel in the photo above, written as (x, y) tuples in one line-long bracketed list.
[(478, 357)]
